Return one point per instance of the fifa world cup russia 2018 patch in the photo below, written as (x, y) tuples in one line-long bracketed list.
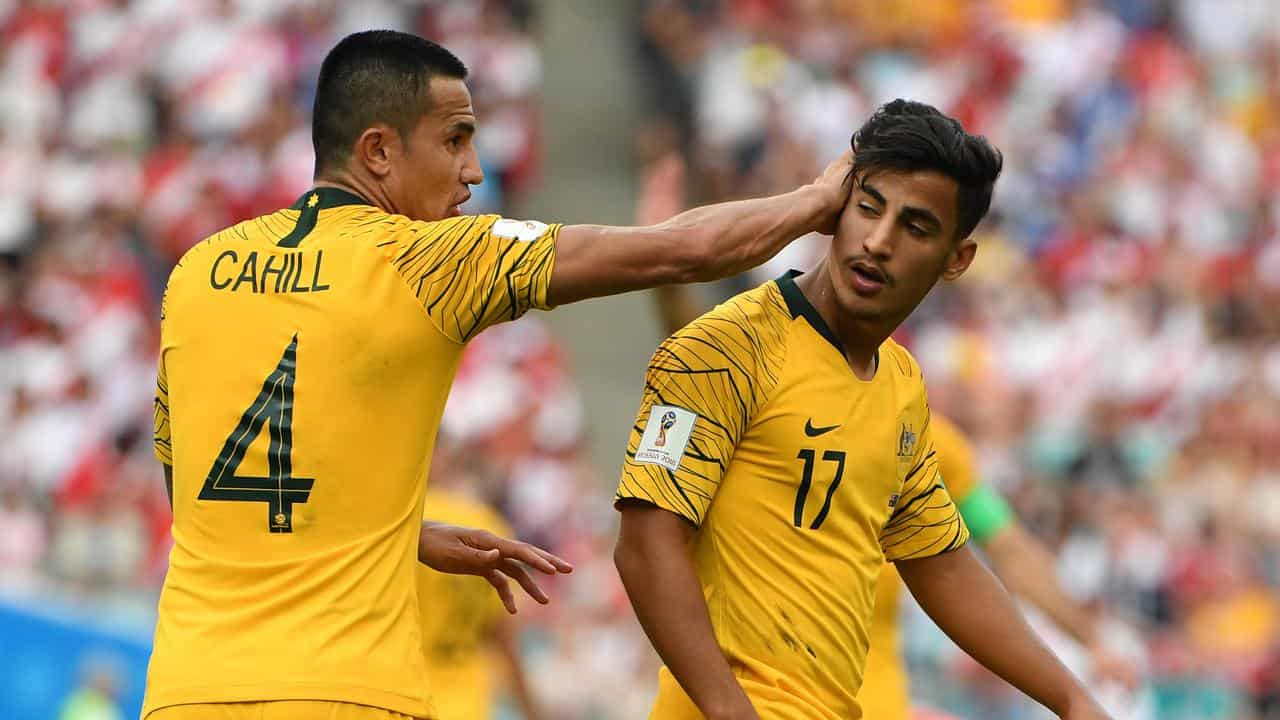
[(519, 230), (666, 435)]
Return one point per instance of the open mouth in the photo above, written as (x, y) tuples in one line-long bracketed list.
[(867, 279), (869, 273)]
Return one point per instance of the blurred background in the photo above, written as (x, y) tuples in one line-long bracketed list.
[(1114, 353)]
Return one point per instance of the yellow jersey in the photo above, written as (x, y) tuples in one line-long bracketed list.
[(885, 693), (459, 615), (801, 478), (304, 364)]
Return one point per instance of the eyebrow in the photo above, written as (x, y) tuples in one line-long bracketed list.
[(908, 213), (462, 126)]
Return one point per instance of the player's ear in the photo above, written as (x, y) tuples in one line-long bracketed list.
[(375, 147), (960, 258)]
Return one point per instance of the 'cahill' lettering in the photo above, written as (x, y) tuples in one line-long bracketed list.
[(289, 270), (213, 272)]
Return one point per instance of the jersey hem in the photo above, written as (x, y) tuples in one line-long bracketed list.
[(351, 694)]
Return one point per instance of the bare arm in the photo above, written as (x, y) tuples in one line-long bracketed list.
[(971, 607), (653, 560), (705, 243), (508, 642)]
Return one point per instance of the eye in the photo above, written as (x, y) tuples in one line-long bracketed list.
[(455, 142), (917, 231), (868, 209)]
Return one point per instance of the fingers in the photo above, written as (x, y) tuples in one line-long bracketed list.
[(517, 571), (534, 557), (503, 586), (559, 563)]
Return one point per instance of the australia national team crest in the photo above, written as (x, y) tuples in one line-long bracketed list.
[(906, 441), (666, 435)]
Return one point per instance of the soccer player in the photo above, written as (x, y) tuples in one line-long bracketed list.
[(463, 628), (305, 360), (1024, 565), (783, 450)]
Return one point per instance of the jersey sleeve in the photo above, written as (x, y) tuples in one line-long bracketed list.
[(161, 437), (925, 522), (471, 272), (702, 387)]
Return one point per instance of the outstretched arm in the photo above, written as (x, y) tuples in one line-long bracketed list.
[(972, 608), (705, 243), (653, 559)]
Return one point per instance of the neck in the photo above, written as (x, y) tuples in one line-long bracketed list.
[(371, 191), (860, 337)]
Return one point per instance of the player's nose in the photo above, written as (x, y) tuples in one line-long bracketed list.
[(472, 173), (879, 242)]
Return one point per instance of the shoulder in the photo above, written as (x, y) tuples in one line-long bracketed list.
[(750, 328), (229, 239)]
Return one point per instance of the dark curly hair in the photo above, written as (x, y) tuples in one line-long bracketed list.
[(905, 135)]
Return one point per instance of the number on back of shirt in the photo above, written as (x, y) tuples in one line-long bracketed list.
[(273, 407)]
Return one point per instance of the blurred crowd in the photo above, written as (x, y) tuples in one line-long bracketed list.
[(1115, 350)]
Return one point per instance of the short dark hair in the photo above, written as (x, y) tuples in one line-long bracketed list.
[(376, 76), (905, 135)]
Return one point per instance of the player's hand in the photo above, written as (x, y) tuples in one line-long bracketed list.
[(470, 551), (835, 182)]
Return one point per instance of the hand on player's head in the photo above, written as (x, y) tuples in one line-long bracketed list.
[(838, 180)]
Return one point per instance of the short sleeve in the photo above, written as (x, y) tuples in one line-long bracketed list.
[(925, 522), (471, 272), (161, 438), (702, 387)]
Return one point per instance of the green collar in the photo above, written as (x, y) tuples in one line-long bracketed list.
[(323, 198), (309, 207), (800, 306)]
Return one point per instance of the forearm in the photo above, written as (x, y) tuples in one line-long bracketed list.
[(1027, 568), (729, 238), (971, 607), (664, 590)]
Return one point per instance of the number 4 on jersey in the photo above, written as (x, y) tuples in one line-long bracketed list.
[(280, 490)]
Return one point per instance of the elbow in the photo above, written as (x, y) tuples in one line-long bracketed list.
[(625, 558)]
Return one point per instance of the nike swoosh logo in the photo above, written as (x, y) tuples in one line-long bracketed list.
[(812, 431)]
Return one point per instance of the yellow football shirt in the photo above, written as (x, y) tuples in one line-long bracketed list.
[(459, 615), (305, 360), (885, 693), (801, 478)]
